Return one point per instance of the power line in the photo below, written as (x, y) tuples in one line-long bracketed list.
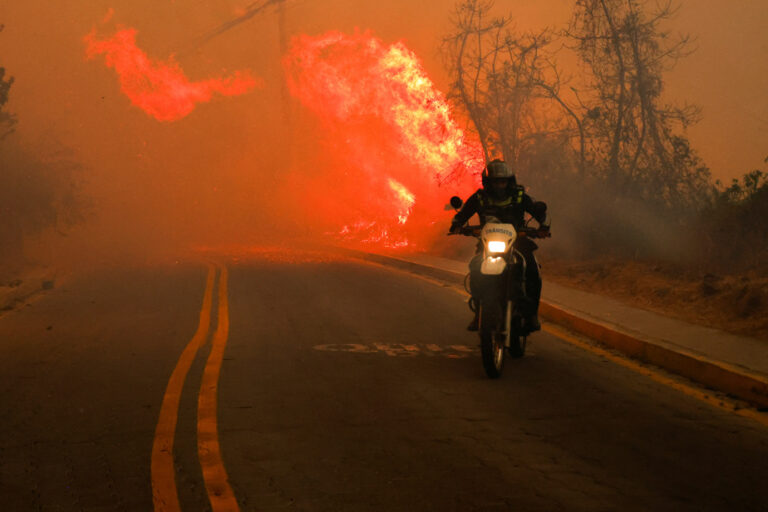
[(250, 11)]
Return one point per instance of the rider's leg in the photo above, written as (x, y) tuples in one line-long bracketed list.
[(474, 289), (532, 290)]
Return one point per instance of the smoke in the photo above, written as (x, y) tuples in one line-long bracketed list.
[(243, 169), (243, 15), (159, 88), (392, 148)]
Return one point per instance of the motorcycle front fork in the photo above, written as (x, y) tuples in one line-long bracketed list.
[(515, 295)]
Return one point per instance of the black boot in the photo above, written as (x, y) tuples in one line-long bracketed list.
[(532, 323)]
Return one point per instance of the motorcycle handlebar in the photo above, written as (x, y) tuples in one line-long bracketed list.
[(535, 233), (466, 231)]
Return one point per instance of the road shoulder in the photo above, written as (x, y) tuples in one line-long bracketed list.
[(745, 383)]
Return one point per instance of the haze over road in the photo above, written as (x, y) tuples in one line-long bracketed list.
[(342, 386)]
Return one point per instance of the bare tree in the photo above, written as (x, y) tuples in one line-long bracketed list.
[(40, 190), (457, 47), (509, 84), (638, 138), (7, 120)]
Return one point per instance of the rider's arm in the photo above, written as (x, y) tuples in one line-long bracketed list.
[(470, 208), (538, 210)]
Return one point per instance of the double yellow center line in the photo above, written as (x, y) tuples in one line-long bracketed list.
[(164, 492)]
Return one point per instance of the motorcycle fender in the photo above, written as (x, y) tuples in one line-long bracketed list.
[(493, 266)]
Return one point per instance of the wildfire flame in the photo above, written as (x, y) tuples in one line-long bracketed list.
[(393, 133), (160, 88), (405, 198)]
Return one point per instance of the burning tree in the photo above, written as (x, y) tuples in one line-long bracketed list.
[(396, 145)]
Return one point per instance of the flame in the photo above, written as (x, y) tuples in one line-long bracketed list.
[(405, 198), (422, 115), (160, 88), (392, 137)]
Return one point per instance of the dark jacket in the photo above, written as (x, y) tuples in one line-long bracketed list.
[(510, 210)]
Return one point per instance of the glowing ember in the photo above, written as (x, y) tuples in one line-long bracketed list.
[(160, 88), (392, 133)]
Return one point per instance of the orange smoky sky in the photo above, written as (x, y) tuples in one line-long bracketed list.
[(217, 174)]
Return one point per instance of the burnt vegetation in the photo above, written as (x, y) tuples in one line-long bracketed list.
[(604, 146)]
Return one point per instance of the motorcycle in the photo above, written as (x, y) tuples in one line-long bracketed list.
[(500, 307)]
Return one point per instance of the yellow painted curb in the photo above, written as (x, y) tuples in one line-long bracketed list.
[(715, 374)]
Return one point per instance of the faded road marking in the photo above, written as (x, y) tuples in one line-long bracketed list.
[(164, 494), (220, 493), (401, 350), (692, 390)]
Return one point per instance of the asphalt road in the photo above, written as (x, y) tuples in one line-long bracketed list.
[(339, 386)]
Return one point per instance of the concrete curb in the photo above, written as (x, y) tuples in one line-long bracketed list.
[(741, 383), (730, 379)]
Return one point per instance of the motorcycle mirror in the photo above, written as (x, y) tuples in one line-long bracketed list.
[(456, 202)]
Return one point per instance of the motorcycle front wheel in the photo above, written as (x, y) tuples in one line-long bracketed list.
[(517, 346), (491, 346), (517, 343)]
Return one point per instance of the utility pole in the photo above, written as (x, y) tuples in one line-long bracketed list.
[(285, 95)]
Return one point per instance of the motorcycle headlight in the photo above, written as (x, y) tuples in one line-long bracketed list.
[(497, 247)]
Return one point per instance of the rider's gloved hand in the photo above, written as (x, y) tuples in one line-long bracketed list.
[(455, 229)]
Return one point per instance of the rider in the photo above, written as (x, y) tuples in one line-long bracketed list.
[(502, 198)]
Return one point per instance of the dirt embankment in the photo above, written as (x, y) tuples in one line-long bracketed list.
[(737, 304)]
